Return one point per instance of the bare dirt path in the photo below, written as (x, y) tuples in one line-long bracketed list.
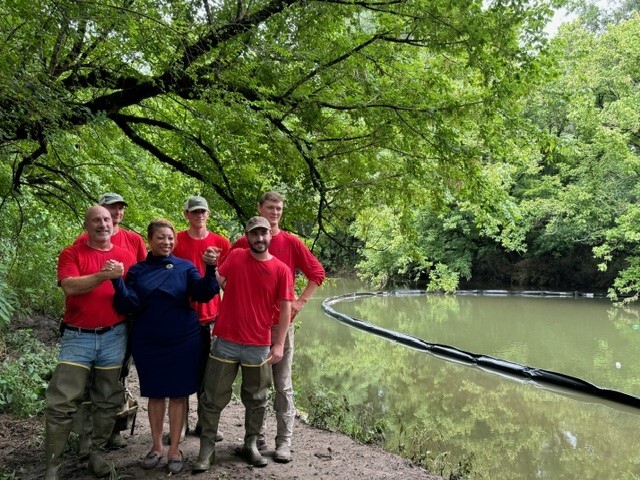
[(317, 454)]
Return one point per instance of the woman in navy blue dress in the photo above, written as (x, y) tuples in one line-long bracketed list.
[(165, 335)]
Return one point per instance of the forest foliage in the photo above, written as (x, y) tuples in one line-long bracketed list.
[(432, 141)]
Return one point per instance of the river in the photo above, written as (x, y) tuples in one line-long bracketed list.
[(462, 418)]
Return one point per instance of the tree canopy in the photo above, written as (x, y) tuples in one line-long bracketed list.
[(437, 135), (340, 103)]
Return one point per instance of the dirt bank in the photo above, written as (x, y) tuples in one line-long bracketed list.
[(316, 453)]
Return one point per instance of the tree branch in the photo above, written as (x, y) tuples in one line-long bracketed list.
[(123, 122)]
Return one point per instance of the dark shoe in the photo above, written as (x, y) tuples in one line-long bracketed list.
[(175, 464), (151, 460), (166, 439), (282, 453)]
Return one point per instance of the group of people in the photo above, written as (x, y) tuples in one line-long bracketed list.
[(192, 311)]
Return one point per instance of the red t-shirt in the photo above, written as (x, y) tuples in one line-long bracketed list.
[(192, 249), (253, 289), (93, 309), (126, 239), (294, 254)]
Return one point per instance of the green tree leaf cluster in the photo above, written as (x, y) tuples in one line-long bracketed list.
[(581, 197)]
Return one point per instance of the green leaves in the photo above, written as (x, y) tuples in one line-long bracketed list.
[(411, 105), (23, 380)]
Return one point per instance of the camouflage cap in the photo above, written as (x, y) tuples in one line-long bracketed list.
[(196, 203), (257, 222), (111, 198)]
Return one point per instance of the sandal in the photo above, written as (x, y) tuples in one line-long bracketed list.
[(175, 464), (151, 460)]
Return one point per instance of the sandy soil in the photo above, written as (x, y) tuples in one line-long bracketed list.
[(316, 453)]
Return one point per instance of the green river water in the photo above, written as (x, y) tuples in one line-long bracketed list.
[(504, 428)]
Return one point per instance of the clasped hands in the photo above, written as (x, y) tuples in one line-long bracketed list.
[(113, 269), (210, 255)]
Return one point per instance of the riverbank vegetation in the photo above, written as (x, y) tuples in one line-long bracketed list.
[(435, 142)]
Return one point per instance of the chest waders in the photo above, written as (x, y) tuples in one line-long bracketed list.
[(218, 382), (65, 393)]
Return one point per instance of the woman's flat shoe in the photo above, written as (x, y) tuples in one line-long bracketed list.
[(175, 464), (151, 460)]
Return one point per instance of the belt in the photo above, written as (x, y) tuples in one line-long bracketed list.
[(96, 331)]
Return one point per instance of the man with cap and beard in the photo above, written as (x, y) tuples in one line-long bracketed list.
[(297, 256), (253, 281)]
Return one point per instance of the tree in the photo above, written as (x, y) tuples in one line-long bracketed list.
[(330, 101), (581, 199)]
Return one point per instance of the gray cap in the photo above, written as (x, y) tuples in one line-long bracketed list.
[(111, 198), (196, 203), (257, 222)]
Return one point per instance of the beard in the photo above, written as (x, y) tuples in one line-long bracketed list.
[(259, 247)]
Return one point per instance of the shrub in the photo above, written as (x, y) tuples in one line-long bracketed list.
[(27, 366), (7, 301), (331, 411)]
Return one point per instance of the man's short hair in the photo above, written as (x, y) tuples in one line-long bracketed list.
[(271, 196)]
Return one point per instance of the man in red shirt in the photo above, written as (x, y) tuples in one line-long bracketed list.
[(254, 281), (289, 249), (134, 243), (190, 245), (92, 347)]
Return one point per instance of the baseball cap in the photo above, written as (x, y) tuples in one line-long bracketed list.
[(196, 203), (111, 198), (257, 222)]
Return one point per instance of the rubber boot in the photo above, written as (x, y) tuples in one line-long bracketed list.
[(56, 439), (198, 429), (82, 426), (106, 394), (206, 455), (253, 393), (218, 384), (116, 441), (65, 392), (251, 453)]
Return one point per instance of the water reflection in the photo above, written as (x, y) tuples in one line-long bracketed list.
[(508, 429), (585, 338)]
